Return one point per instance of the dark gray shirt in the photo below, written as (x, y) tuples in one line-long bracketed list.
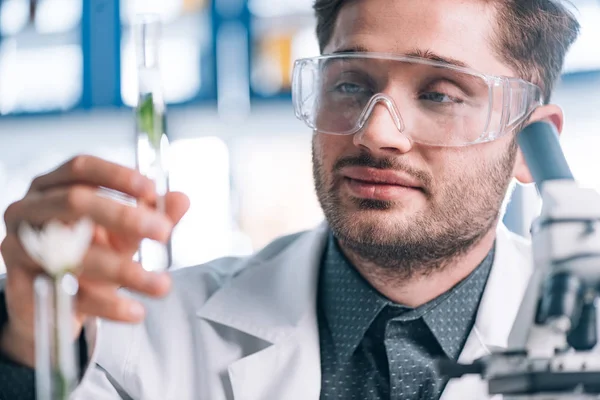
[(373, 349)]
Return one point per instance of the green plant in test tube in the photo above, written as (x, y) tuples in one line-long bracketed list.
[(151, 131)]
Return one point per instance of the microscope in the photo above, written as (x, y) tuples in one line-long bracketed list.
[(553, 352)]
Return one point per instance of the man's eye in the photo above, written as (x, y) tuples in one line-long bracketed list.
[(437, 97), (350, 88)]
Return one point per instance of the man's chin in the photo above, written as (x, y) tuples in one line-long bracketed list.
[(374, 223), (398, 209)]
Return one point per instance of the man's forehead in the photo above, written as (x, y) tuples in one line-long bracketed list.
[(443, 30)]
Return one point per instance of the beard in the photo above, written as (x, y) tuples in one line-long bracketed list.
[(460, 211)]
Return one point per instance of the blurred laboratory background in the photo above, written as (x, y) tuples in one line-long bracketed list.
[(68, 83)]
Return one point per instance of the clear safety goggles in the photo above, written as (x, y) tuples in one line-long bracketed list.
[(430, 102)]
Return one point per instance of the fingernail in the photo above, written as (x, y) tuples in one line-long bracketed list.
[(136, 310)]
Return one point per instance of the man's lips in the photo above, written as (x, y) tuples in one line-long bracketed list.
[(378, 184), (380, 176)]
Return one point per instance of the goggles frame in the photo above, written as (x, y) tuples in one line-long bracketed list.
[(513, 90)]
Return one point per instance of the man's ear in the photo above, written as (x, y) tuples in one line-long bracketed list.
[(550, 113)]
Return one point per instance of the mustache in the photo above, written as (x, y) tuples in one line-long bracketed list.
[(397, 164)]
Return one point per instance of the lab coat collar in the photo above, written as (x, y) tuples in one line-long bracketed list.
[(275, 300), (511, 270), (270, 297), (497, 311)]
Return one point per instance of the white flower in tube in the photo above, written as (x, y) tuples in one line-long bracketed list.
[(57, 247)]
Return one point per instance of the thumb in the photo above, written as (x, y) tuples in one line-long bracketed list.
[(176, 205)]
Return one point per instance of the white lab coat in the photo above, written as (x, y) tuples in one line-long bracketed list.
[(246, 329)]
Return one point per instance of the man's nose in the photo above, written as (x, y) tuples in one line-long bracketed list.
[(382, 129)]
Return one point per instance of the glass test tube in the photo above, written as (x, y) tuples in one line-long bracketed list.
[(56, 366), (151, 132)]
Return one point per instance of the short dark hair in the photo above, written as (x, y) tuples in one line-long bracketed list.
[(533, 36)]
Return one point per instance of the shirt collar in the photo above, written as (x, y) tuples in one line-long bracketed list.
[(461, 303), (350, 304)]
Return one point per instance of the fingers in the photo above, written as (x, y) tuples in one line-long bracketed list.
[(14, 255), (71, 192), (101, 265), (19, 280), (104, 302), (95, 171), (103, 273), (177, 204), (71, 203), (18, 290)]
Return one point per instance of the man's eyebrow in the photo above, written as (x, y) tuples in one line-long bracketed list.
[(426, 54), (352, 49), (430, 55)]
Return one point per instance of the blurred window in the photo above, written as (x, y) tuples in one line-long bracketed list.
[(584, 55), (41, 65), (282, 32), (199, 167), (184, 47), (273, 185)]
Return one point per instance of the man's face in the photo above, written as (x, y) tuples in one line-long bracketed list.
[(459, 190)]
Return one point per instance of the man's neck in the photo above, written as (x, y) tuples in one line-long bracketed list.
[(422, 288)]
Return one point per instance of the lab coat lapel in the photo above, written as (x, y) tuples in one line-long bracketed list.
[(275, 300), (498, 309), (289, 369)]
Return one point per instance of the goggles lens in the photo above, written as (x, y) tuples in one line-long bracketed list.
[(430, 102)]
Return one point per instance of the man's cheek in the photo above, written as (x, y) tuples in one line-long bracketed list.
[(450, 181)]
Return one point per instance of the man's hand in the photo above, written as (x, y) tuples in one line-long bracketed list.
[(67, 194)]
